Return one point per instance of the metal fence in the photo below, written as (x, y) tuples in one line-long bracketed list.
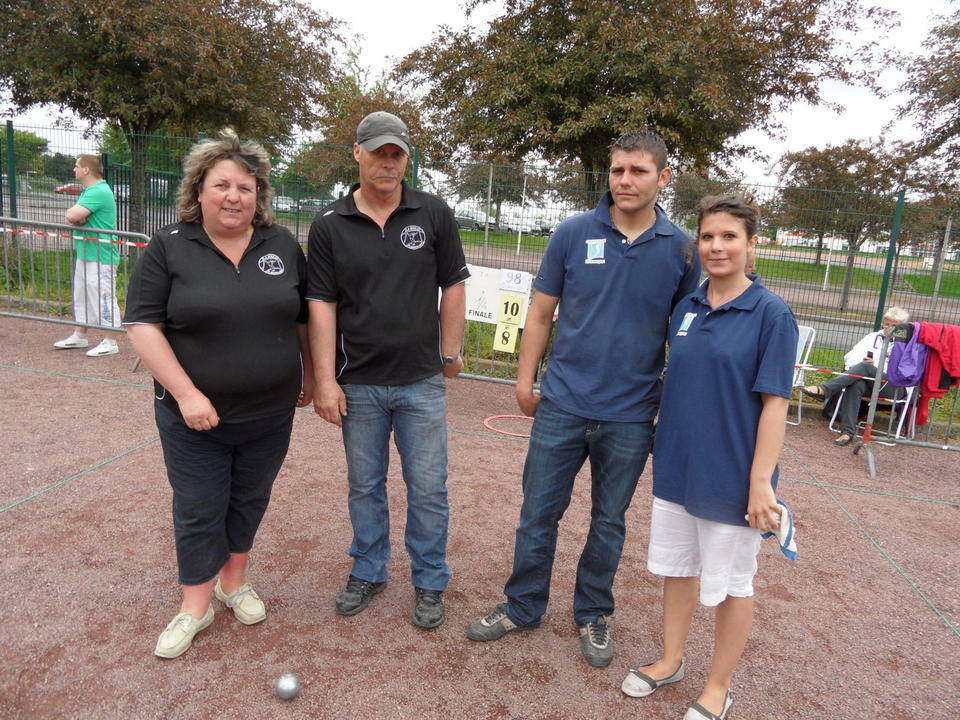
[(939, 433), (36, 267), (837, 257)]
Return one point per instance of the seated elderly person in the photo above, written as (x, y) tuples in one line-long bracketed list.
[(859, 363)]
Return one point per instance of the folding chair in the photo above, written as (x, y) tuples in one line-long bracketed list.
[(899, 410), (804, 346)]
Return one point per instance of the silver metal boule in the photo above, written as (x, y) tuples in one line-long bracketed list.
[(288, 686)]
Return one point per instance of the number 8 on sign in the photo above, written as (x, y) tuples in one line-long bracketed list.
[(506, 338)]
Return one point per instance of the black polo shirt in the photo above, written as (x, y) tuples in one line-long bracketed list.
[(385, 285), (233, 328)]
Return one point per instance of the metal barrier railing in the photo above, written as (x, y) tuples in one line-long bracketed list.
[(36, 278), (37, 262), (899, 334)]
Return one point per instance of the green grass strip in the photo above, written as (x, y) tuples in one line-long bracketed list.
[(63, 482)]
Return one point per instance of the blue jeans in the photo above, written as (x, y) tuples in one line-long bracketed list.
[(417, 414), (559, 444)]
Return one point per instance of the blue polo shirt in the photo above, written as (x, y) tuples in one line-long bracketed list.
[(720, 362), (615, 304)]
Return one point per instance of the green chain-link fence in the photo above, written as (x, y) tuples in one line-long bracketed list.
[(837, 257)]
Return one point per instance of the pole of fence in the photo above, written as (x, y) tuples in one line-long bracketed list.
[(826, 273), (416, 166), (941, 251), (108, 171), (523, 202), (11, 169), (486, 212), (891, 252)]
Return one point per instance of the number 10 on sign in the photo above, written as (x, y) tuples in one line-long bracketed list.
[(508, 326)]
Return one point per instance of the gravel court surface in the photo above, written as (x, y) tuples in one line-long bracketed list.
[(864, 625)]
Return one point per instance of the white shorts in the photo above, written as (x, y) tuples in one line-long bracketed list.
[(95, 294), (723, 556)]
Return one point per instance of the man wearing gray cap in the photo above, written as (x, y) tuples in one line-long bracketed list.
[(382, 350)]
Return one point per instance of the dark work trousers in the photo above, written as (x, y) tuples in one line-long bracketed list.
[(856, 390), (221, 480)]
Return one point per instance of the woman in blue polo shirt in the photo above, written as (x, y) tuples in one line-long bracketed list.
[(721, 428)]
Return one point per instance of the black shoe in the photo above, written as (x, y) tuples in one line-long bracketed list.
[(428, 612), (356, 595), (843, 440), (817, 393)]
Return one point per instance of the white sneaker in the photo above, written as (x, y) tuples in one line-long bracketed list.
[(176, 639), (247, 606), (74, 341), (106, 347)]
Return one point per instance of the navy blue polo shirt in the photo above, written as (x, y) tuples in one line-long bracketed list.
[(720, 362), (232, 327), (385, 283), (615, 303)]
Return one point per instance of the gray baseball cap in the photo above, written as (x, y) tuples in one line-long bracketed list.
[(379, 128)]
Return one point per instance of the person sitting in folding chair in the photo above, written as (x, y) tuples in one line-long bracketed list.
[(860, 370)]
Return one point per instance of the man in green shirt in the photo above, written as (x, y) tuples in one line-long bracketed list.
[(95, 273)]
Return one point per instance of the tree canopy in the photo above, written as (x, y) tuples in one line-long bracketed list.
[(257, 65), (933, 84), (28, 151), (844, 190), (562, 78), (351, 96)]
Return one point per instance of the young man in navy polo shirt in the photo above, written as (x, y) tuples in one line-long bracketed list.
[(617, 272), (381, 352)]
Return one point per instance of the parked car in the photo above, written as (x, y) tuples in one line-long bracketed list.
[(465, 222), (282, 203), (69, 189), (479, 217), (122, 192), (510, 223), (313, 205), (543, 226)]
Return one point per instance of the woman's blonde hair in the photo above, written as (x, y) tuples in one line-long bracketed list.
[(207, 153)]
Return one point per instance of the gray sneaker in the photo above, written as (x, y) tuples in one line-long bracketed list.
[(596, 642), (492, 627)]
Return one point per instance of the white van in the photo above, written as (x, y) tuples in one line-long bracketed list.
[(282, 203)]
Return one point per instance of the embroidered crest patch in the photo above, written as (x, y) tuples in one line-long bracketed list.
[(595, 248), (413, 237), (271, 264)]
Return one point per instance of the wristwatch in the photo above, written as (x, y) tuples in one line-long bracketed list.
[(450, 359)]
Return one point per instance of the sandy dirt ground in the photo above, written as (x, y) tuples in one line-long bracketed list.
[(864, 625)]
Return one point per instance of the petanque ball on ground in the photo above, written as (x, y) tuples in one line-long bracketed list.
[(288, 686)]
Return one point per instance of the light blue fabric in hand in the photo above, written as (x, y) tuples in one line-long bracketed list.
[(785, 534)]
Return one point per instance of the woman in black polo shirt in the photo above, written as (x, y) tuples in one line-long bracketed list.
[(216, 311)]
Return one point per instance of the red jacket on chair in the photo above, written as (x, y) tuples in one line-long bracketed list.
[(943, 363)]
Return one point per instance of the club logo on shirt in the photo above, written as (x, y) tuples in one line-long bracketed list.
[(685, 324), (413, 237), (271, 264), (595, 251)]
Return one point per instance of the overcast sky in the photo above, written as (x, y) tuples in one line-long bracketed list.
[(390, 30)]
